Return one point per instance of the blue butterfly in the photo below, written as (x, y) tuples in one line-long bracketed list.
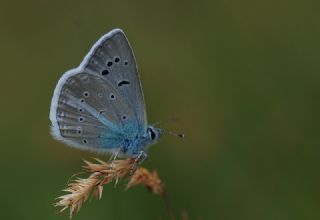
[(99, 106)]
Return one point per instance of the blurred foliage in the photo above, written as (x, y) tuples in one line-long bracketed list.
[(242, 76)]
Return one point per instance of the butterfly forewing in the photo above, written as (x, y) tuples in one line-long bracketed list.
[(113, 59)]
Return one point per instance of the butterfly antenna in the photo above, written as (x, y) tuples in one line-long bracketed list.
[(179, 135)]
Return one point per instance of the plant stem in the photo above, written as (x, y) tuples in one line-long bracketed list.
[(168, 206)]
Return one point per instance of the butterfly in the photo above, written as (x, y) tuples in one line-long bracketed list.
[(99, 106)]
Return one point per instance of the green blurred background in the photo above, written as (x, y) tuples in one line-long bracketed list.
[(242, 77)]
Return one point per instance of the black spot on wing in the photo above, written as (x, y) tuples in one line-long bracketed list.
[(123, 82), (105, 72)]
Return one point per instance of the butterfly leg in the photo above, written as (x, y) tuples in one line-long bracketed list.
[(142, 156), (113, 157)]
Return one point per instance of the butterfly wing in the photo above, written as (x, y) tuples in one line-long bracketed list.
[(99, 104), (113, 59)]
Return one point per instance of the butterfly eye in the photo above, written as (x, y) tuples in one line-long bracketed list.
[(152, 134)]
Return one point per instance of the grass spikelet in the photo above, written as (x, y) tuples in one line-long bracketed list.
[(101, 173), (149, 179), (79, 190)]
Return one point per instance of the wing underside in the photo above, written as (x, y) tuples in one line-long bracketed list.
[(99, 103)]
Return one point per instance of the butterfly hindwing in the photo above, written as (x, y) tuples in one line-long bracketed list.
[(87, 112)]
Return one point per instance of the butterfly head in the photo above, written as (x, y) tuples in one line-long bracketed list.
[(153, 134)]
